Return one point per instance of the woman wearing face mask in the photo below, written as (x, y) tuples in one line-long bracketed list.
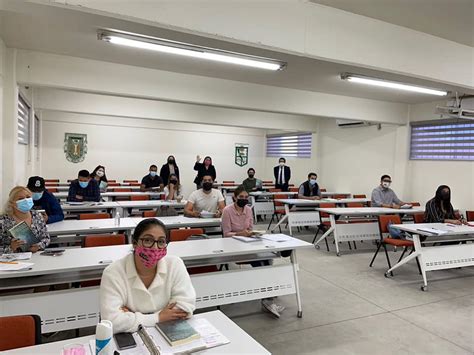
[(205, 168), (99, 176), (169, 168), (147, 286), (439, 208), (173, 189), (19, 209)]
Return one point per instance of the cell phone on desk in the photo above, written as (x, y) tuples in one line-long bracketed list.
[(124, 341)]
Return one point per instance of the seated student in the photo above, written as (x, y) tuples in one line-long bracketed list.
[(237, 219), (439, 208), (83, 189), (205, 199), (384, 196), (173, 189), (148, 286), (252, 183), (309, 190), (45, 200), (17, 210), (99, 176), (152, 181)]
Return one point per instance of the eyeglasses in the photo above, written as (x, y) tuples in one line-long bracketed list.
[(150, 242)]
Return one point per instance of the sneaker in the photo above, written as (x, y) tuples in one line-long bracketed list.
[(271, 307), (280, 308)]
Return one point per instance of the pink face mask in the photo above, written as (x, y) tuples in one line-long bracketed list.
[(150, 256)]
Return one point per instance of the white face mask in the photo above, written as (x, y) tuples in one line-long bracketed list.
[(386, 184), (282, 163), (100, 173)]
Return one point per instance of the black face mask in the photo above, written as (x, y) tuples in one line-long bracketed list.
[(174, 182), (171, 161), (251, 176), (207, 186), (445, 196), (242, 202)]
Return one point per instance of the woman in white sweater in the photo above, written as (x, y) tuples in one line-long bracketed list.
[(146, 287)]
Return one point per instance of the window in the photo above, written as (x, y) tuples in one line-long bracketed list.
[(289, 145), (37, 131), (442, 140), (23, 121)]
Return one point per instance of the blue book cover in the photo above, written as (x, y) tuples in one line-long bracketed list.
[(23, 232)]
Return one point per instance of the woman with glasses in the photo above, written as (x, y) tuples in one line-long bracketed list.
[(147, 286)]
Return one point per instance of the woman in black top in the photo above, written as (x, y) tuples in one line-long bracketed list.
[(439, 208), (169, 168), (205, 168)]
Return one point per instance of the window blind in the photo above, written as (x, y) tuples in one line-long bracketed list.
[(23, 121), (289, 145), (442, 140)]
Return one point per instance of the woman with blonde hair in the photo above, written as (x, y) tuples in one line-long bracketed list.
[(17, 210)]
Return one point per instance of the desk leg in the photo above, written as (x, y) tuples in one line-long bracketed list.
[(294, 263), (279, 223), (332, 218), (326, 234), (287, 213)]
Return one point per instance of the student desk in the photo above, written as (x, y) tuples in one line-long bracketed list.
[(181, 221), (441, 256), (115, 188), (299, 218), (262, 201), (79, 307), (112, 195), (112, 207), (346, 232), (127, 206), (240, 341)]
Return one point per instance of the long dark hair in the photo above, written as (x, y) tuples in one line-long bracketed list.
[(174, 159), (440, 203), (145, 225), (178, 185), (94, 173)]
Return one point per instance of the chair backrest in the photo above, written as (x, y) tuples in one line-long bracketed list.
[(326, 205), (470, 216), (178, 235), (354, 204), (229, 182), (360, 196), (52, 189), (101, 215), (121, 190), (129, 181), (294, 189), (101, 240), (113, 183), (47, 181), (274, 190), (148, 214), (419, 217), (339, 196), (323, 190), (267, 182), (19, 331), (135, 183), (415, 204), (277, 203), (384, 221), (139, 197)]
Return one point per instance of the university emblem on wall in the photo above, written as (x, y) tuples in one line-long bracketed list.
[(241, 154), (75, 147)]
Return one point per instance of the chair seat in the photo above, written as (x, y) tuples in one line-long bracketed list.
[(280, 212), (398, 242)]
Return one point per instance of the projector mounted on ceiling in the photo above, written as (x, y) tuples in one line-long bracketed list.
[(461, 108)]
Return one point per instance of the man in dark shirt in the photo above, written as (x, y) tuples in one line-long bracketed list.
[(309, 190), (152, 181), (45, 200), (84, 189), (252, 183)]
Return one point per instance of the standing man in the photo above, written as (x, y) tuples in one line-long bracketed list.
[(43, 199), (384, 196), (282, 175), (152, 181)]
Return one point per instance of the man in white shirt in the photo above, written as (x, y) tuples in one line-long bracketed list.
[(205, 199)]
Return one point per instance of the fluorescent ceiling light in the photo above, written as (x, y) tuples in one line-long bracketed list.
[(353, 78), (189, 50)]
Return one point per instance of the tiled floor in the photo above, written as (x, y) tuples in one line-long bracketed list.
[(349, 308)]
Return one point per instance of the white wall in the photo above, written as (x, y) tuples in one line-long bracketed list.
[(2, 74), (127, 147)]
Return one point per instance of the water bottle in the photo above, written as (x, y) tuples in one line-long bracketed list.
[(117, 218), (103, 338)]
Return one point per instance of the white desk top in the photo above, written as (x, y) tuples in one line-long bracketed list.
[(114, 194), (240, 341), (266, 193), (150, 203), (90, 226), (303, 202), (81, 259), (449, 229), (88, 206), (63, 188), (362, 211), (329, 193), (182, 221)]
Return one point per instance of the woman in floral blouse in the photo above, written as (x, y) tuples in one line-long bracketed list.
[(17, 210)]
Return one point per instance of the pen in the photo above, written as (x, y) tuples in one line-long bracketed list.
[(8, 262)]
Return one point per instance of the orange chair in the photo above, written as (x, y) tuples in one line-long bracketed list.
[(267, 182), (51, 181), (417, 204), (52, 189), (274, 190), (149, 214), (112, 181), (384, 222), (179, 235), (278, 209), (121, 190), (101, 215), (129, 181), (19, 331), (419, 217), (354, 204), (360, 196), (294, 189), (339, 196), (140, 197), (323, 190), (135, 184), (228, 182), (470, 216)]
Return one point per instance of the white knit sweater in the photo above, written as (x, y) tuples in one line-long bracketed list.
[(121, 286)]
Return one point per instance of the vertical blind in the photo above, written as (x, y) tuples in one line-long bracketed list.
[(289, 145), (37, 132), (442, 140), (23, 121)]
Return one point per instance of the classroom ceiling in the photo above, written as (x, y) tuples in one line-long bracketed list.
[(68, 32), (448, 19)]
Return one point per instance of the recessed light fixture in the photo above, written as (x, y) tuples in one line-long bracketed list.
[(189, 50), (361, 79)]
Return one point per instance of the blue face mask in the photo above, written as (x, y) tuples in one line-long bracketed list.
[(152, 173), (25, 205), (83, 184), (312, 182), (37, 195)]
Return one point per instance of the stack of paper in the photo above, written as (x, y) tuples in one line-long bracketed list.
[(15, 266), (16, 256)]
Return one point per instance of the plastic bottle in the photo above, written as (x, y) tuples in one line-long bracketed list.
[(117, 218), (103, 338)]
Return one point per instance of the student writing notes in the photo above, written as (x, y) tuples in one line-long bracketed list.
[(439, 209), (384, 196), (83, 189), (43, 199), (205, 199), (147, 286)]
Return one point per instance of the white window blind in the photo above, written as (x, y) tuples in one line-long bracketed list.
[(289, 145), (23, 121), (442, 140), (37, 131)]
